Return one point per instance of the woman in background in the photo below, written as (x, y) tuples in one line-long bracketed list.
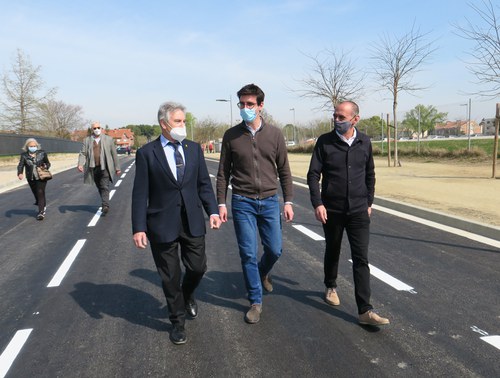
[(33, 156)]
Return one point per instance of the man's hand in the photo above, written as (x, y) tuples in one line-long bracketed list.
[(118, 172), (370, 211), (215, 222), (223, 213), (321, 214), (140, 240), (20, 176), (288, 212), (80, 168)]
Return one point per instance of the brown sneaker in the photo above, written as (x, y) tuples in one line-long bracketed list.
[(371, 318), (267, 283), (331, 296), (253, 315)]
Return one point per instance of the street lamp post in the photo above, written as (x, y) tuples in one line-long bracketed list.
[(230, 107), (293, 130), (468, 122)]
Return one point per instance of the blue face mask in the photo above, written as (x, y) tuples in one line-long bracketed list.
[(248, 115), (32, 149), (342, 127)]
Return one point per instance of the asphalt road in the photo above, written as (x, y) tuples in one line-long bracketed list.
[(78, 300)]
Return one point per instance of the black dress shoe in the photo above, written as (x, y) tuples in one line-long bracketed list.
[(105, 209), (178, 335), (192, 308)]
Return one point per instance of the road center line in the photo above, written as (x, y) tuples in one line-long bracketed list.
[(118, 183), (96, 217), (10, 353), (306, 231), (64, 268), (493, 340), (389, 280), (112, 193)]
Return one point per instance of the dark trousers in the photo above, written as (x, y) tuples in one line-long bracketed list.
[(166, 257), (38, 189), (357, 227), (102, 180)]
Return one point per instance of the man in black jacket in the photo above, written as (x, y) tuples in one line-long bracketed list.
[(343, 160)]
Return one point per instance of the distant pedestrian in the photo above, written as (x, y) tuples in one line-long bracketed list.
[(31, 157), (210, 147), (99, 160), (343, 161)]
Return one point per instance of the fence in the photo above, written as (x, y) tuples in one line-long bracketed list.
[(11, 144)]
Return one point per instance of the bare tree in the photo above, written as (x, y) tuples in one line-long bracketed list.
[(21, 87), (397, 59), (59, 118), (485, 63), (332, 79)]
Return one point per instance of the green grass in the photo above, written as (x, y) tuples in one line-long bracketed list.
[(457, 149)]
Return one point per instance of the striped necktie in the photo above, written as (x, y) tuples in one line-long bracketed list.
[(179, 161)]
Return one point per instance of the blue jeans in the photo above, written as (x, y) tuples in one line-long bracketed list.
[(248, 216)]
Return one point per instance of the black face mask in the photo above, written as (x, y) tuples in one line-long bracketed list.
[(342, 127)]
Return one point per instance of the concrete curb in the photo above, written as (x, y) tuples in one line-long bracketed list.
[(482, 229)]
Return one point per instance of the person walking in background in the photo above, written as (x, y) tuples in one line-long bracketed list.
[(99, 160), (253, 156), (171, 188), (31, 157), (343, 160)]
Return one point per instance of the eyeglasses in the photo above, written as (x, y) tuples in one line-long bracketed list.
[(249, 105), (341, 117), (96, 128)]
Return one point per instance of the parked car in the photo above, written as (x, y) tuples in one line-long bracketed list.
[(122, 150)]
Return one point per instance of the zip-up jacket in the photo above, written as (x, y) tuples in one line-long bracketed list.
[(28, 163), (253, 163), (347, 174)]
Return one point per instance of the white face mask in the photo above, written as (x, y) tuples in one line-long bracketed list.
[(178, 133), (97, 132)]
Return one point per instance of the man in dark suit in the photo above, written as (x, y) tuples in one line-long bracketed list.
[(171, 188)]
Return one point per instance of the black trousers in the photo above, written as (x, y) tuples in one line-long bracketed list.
[(357, 227), (102, 180), (38, 189), (167, 261)]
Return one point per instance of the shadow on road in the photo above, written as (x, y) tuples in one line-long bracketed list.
[(121, 301), (77, 208)]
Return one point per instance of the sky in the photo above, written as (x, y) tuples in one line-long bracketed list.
[(119, 60)]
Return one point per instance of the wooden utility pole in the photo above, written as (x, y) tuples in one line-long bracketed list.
[(388, 142), (495, 146)]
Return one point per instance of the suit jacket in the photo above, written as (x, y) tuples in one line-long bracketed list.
[(108, 156), (157, 197)]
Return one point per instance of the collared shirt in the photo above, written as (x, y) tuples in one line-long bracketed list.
[(349, 141), (96, 139), (169, 150), (251, 129)]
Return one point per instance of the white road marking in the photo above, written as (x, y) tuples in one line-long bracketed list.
[(451, 230), (64, 268), (126, 170), (123, 175), (112, 193), (10, 353), (493, 340), (389, 280), (300, 184), (118, 183), (96, 217), (306, 231)]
